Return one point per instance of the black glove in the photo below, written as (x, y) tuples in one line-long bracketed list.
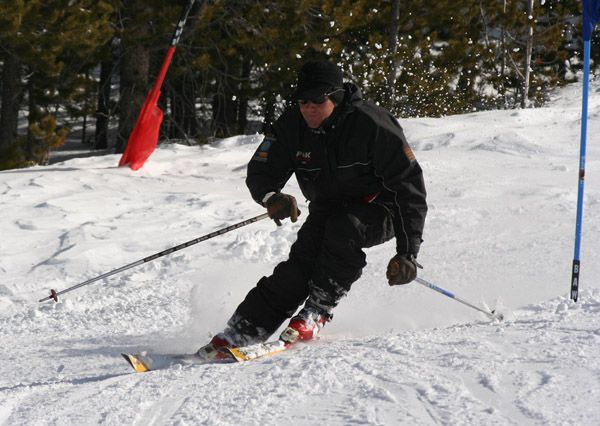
[(281, 206), (402, 269)]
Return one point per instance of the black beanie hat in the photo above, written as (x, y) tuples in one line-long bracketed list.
[(316, 78)]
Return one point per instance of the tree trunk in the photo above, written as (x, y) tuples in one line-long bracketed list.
[(135, 65), (191, 124), (392, 50), (502, 87), (524, 99), (268, 111), (182, 98), (36, 148), (224, 112), (176, 122), (242, 112), (103, 111), (85, 114), (12, 94)]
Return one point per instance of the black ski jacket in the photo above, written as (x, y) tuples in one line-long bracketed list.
[(358, 153)]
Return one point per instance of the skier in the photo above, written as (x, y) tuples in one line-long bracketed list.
[(364, 186)]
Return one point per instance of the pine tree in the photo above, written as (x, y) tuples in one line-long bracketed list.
[(55, 43), (12, 92)]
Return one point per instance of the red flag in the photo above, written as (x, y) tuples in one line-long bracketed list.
[(144, 137)]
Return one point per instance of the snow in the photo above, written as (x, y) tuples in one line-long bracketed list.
[(502, 192)]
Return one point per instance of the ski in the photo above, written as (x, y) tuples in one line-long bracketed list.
[(144, 362), (259, 350)]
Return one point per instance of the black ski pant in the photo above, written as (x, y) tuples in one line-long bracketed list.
[(325, 260)]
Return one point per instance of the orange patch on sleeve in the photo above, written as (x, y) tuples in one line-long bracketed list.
[(409, 153)]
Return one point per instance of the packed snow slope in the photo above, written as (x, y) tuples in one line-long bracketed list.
[(502, 192)]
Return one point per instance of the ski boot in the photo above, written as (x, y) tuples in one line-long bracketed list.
[(216, 349), (304, 326)]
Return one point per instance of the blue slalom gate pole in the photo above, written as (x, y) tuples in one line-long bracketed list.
[(590, 16), (581, 186)]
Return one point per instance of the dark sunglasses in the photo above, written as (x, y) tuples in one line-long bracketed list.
[(318, 100)]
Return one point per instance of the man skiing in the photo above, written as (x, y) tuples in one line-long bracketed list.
[(364, 186)]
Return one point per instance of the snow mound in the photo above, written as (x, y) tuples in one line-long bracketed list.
[(509, 142), (499, 233)]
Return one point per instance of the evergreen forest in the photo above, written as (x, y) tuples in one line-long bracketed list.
[(87, 65)]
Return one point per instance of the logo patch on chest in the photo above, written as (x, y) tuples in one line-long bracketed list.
[(303, 157)]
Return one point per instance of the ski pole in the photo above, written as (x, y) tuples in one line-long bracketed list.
[(492, 314), (54, 294)]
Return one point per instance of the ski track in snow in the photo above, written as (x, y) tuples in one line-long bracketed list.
[(502, 191)]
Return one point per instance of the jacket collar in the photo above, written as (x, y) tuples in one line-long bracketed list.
[(352, 98)]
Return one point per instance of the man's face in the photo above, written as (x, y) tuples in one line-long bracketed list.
[(315, 113)]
